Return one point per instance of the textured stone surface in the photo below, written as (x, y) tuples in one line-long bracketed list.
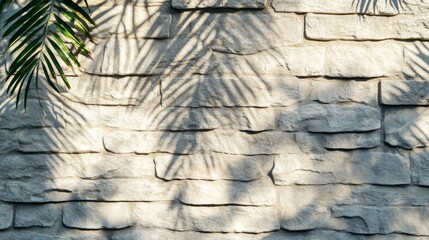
[(93, 215), (329, 118), (104, 90), (407, 127), (416, 58), (420, 163), (212, 167), (351, 140), (131, 22), (338, 6), (357, 167), (206, 219), (45, 215), (192, 4), (6, 216), (255, 193), (199, 142), (350, 27), (8, 141), (84, 166), (60, 140), (334, 91), (259, 32), (405, 92), (363, 60)]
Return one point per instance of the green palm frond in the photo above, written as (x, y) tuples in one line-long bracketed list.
[(42, 34)]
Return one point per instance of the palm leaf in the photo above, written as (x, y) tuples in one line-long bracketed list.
[(40, 34)]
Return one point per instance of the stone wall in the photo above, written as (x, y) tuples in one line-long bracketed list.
[(210, 119)]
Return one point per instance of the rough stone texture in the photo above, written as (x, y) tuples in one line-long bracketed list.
[(368, 60), (222, 167), (351, 140), (357, 167), (208, 119), (416, 58), (338, 6), (60, 140), (407, 127), (131, 21), (335, 91), (206, 219), (6, 216), (171, 118), (329, 118), (195, 4), (255, 193), (129, 91), (198, 142), (45, 215), (84, 166), (350, 27), (405, 92), (93, 215)]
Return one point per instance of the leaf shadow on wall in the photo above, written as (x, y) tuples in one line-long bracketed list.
[(188, 107)]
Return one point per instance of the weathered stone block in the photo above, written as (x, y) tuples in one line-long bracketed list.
[(60, 140), (356, 219), (195, 4), (351, 140), (8, 141), (357, 167), (420, 164), (121, 56), (416, 61), (334, 91), (405, 92), (131, 21), (303, 219), (216, 92), (97, 215), (354, 27), (49, 115), (74, 189), (6, 216), (363, 60), (258, 32), (198, 142), (83, 166), (254, 193), (206, 219), (105, 90), (329, 118), (338, 7), (212, 167), (37, 215), (407, 127)]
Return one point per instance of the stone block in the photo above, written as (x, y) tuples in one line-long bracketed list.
[(357, 167), (338, 7), (405, 92), (254, 193), (420, 166), (60, 140), (6, 216), (46, 215), (97, 215), (363, 60), (212, 167), (130, 21), (351, 140), (354, 27), (416, 61), (407, 127), (197, 4), (344, 91), (206, 219), (330, 118)]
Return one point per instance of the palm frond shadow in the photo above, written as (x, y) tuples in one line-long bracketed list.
[(184, 91)]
